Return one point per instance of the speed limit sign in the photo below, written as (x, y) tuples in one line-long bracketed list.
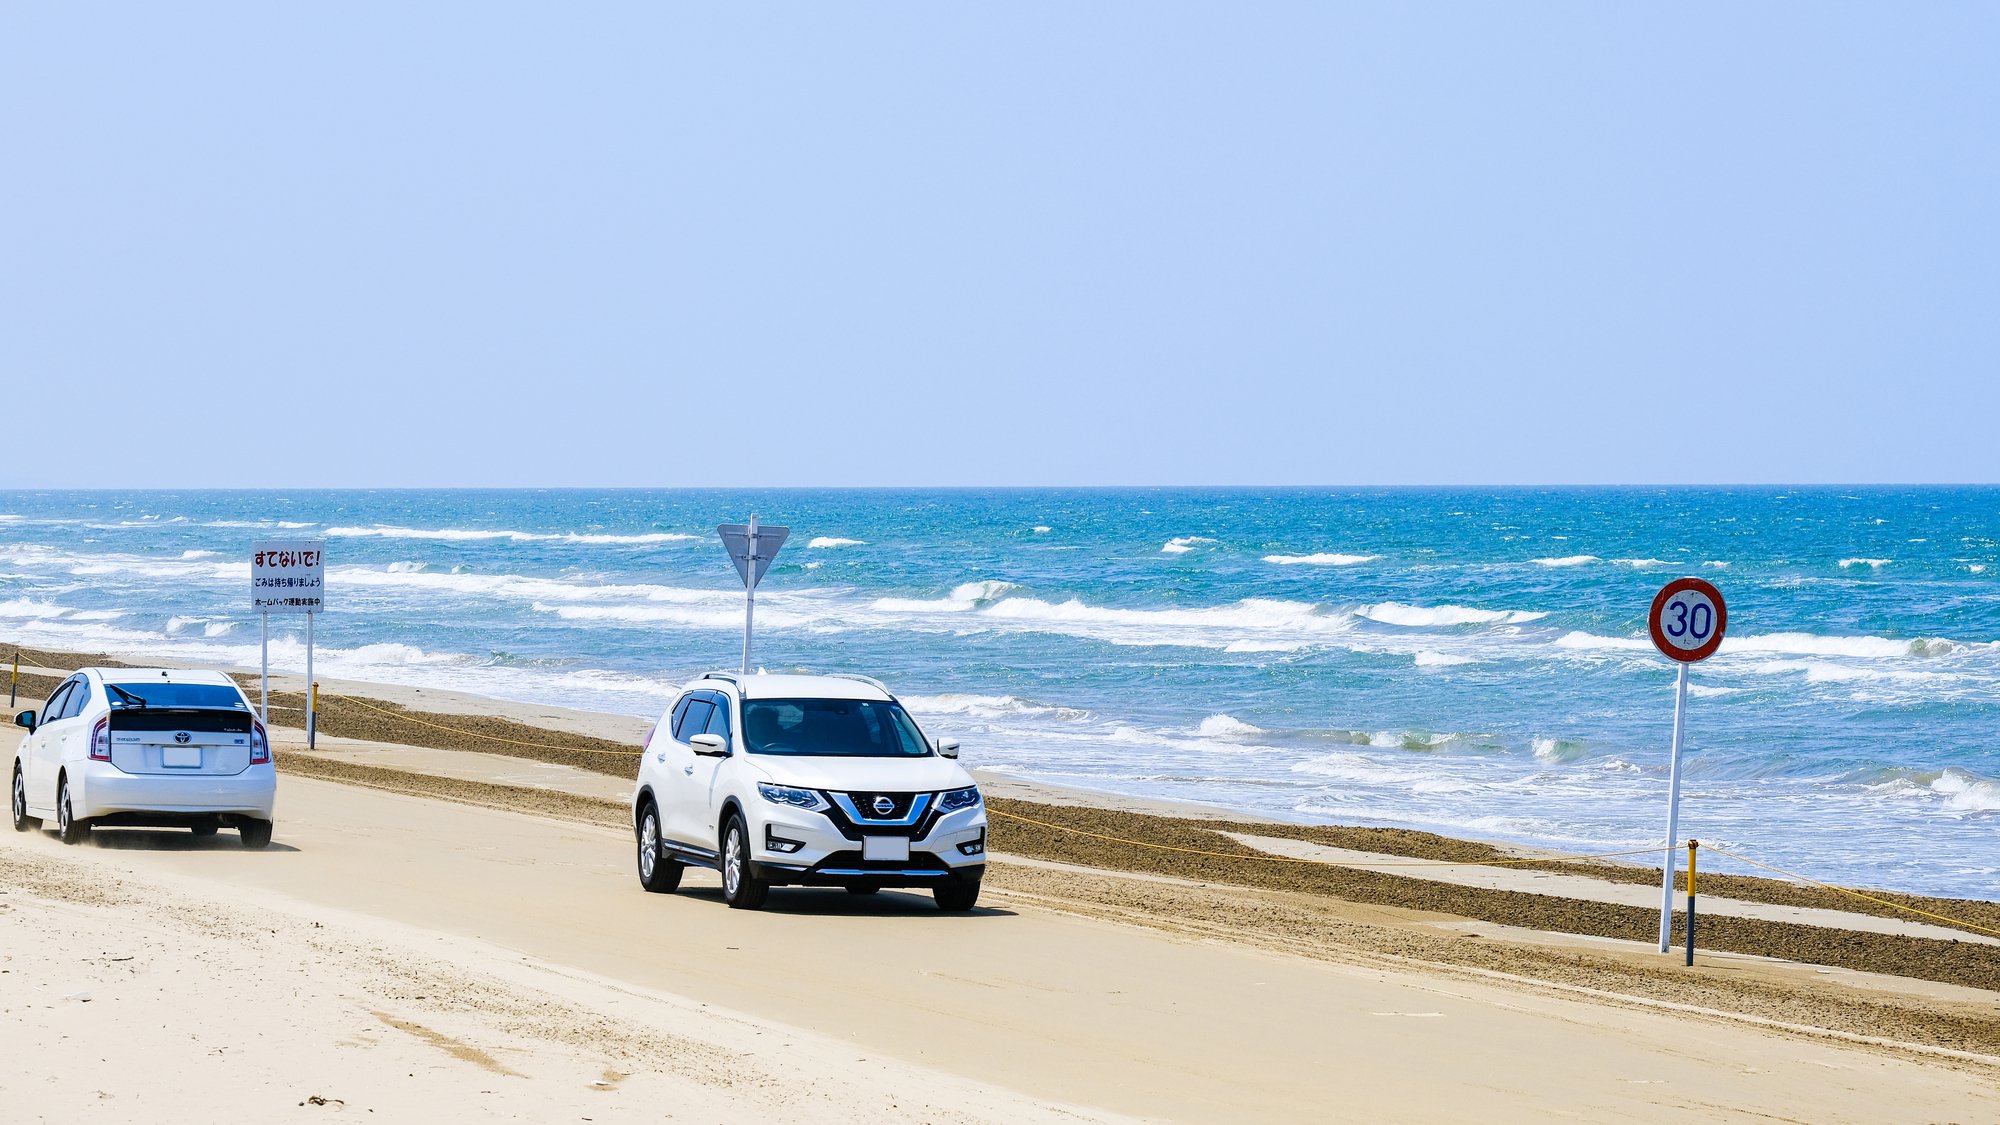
[(1688, 619)]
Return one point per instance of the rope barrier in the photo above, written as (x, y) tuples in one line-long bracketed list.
[(1854, 894), (408, 718), (991, 811)]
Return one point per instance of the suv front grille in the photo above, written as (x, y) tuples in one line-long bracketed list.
[(895, 814)]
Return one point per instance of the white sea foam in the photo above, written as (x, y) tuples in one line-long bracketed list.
[(1716, 564), (407, 567), (28, 609), (1421, 617), (1640, 564), (828, 541), (96, 615), (1873, 564), (1964, 792), (990, 707), (458, 534), (1184, 544), (1320, 560), (1263, 646), (964, 598), (190, 556), (1570, 560), (1557, 750), (1976, 568), (1227, 726), (288, 525), (1429, 659), (1042, 529), (1589, 641), (1865, 648)]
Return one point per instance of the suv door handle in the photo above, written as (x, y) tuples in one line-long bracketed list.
[(689, 771)]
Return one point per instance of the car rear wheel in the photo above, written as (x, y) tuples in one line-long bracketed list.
[(741, 888), (22, 821), (255, 833), (957, 897), (657, 873), (72, 830)]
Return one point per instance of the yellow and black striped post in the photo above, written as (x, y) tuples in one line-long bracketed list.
[(1693, 847)]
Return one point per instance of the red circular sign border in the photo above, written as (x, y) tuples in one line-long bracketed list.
[(1689, 655)]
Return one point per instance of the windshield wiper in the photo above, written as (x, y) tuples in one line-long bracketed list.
[(128, 697)]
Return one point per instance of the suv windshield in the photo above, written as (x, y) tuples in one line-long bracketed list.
[(832, 728), (174, 695)]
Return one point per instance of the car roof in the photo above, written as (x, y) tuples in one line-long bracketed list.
[(764, 685), (160, 675)]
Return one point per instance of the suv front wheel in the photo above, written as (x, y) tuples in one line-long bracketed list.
[(741, 888), (657, 873), (957, 897)]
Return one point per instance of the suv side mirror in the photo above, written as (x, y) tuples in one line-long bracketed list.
[(25, 719), (709, 745), (947, 748)]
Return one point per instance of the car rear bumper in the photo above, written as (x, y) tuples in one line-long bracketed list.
[(101, 790)]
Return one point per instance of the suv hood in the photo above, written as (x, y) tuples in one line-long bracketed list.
[(862, 775)]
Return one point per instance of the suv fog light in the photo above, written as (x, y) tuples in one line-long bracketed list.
[(975, 845), (779, 843)]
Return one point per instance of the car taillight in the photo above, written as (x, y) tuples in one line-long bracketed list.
[(260, 746), (100, 740)]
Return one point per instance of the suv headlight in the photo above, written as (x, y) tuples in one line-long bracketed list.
[(787, 795), (952, 800)]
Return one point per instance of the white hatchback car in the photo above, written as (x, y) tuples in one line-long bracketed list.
[(820, 781), (149, 748)]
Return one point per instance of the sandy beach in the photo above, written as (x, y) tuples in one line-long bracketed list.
[(447, 929)]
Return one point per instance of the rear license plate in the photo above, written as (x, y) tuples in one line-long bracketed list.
[(885, 849), (181, 757)]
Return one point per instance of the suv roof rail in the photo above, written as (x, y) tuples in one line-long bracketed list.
[(869, 680), (730, 676)]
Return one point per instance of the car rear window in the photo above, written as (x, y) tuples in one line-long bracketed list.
[(841, 728), (175, 695)]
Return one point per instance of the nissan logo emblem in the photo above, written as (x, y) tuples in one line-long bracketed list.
[(180, 736), (884, 806)]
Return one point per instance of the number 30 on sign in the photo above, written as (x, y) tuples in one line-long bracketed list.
[(1688, 620)]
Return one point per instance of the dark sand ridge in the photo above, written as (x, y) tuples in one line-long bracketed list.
[(1310, 914)]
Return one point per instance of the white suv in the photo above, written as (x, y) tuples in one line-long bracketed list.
[(145, 747), (818, 781)]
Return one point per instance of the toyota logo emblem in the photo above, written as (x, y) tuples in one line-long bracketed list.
[(884, 806), (181, 736)]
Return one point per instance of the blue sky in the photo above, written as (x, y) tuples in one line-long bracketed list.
[(825, 244)]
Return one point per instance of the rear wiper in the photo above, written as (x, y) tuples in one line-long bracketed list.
[(128, 697)]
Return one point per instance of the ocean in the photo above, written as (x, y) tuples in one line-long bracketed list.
[(1465, 661)]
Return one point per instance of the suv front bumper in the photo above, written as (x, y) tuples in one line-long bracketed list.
[(799, 848)]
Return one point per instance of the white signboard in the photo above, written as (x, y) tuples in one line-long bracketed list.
[(288, 576)]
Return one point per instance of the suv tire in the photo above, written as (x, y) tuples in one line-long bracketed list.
[(958, 896), (741, 888), (22, 821), (255, 833), (657, 873), (72, 830)]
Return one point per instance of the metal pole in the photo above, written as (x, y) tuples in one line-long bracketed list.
[(1693, 846), (264, 679), (309, 679), (1673, 810), (16, 681), (749, 591)]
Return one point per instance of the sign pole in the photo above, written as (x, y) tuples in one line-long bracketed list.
[(1673, 809), (264, 677), (750, 595), (309, 678)]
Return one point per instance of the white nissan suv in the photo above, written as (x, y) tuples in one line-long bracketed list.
[(145, 747), (818, 781)]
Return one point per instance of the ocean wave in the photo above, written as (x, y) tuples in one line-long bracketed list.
[(261, 525), (1042, 529), (1964, 792), (1557, 750), (1866, 648), (407, 567), (1319, 560), (1227, 726), (963, 598), (1420, 617), (990, 707), (1263, 646), (24, 608), (1569, 560), (1429, 659), (1590, 641), (1872, 564), (825, 542), (1184, 544), (1640, 564), (457, 534), (191, 556)]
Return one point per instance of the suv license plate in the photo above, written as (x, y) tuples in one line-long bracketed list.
[(885, 849), (181, 757)]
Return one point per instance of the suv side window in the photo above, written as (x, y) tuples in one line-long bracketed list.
[(58, 699), (695, 719), (718, 723), (680, 712), (79, 698)]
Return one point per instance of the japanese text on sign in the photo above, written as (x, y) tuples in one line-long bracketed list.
[(288, 577)]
